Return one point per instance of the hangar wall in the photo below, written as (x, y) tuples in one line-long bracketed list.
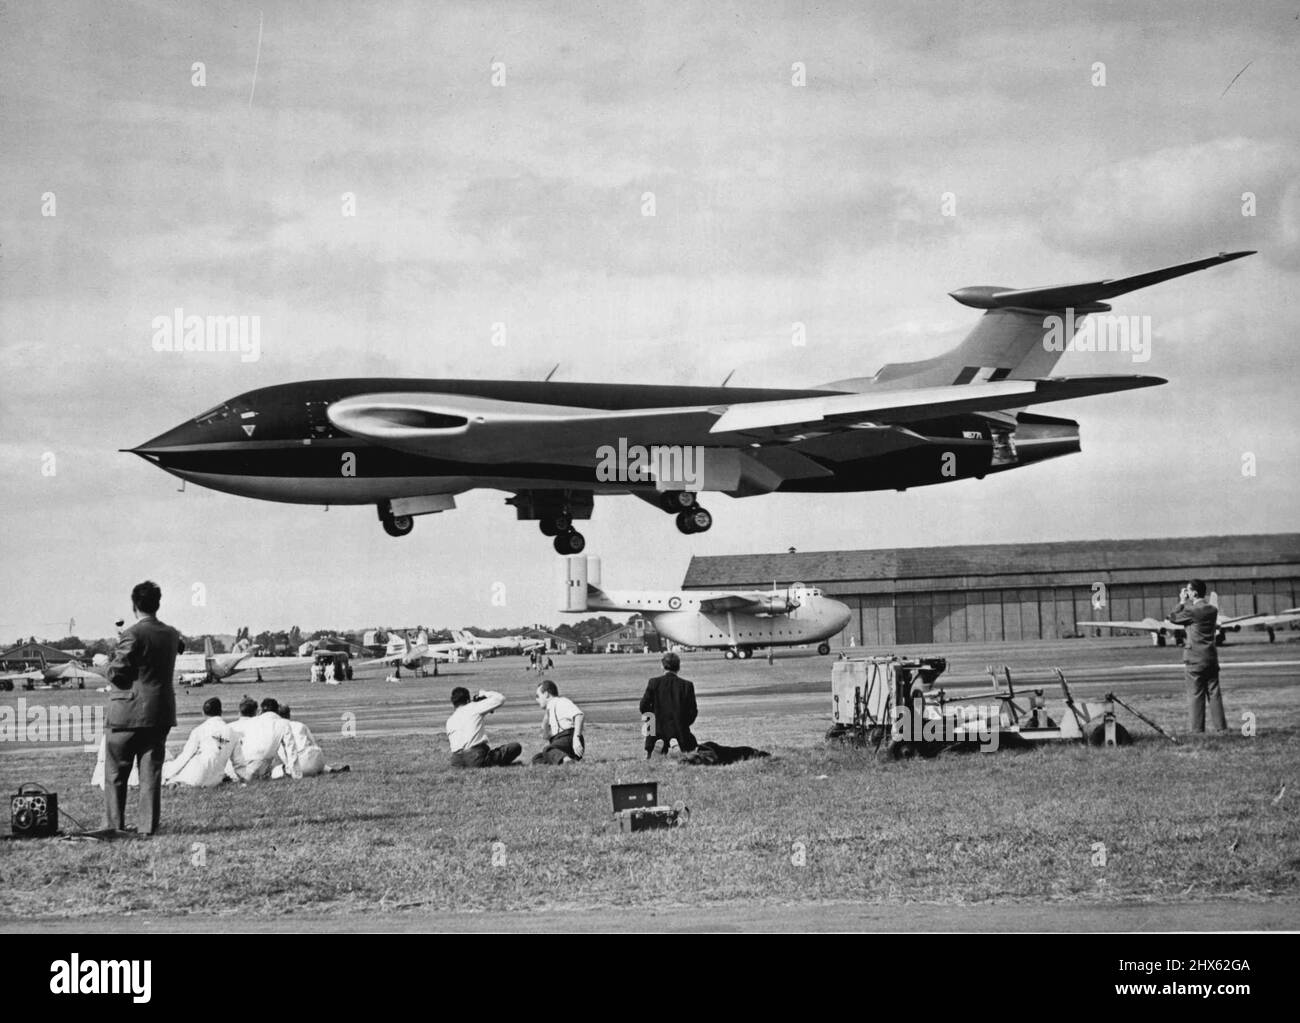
[(1018, 592)]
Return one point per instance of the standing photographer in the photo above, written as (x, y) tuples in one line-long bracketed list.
[(1199, 619), (141, 710)]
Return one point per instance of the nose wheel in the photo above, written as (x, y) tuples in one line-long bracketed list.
[(694, 520)]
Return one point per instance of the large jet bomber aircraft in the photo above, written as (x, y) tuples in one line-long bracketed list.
[(409, 446)]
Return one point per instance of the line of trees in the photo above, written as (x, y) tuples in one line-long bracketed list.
[(287, 641)]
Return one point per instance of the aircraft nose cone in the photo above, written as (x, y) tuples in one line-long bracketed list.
[(155, 449)]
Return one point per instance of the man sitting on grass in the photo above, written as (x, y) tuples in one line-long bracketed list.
[(465, 733), (202, 763), (311, 758), (266, 739), (561, 726)]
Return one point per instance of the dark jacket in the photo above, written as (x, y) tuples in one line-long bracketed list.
[(672, 701), (1198, 620), (141, 673)]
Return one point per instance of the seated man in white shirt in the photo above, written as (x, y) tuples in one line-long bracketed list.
[(247, 711), (465, 734), (265, 740), (561, 726), (202, 763), (311, 758)]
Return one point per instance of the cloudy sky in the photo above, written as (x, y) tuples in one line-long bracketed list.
[(1078, 141)]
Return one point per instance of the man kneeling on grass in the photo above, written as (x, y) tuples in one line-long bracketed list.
[(561, 726), (465, 733)]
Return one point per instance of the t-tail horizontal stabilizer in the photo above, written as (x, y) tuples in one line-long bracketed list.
[(1079, 296)]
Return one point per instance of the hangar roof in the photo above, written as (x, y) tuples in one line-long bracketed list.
[(1011, 559)]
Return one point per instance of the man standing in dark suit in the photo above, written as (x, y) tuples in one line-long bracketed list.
[(1199, 619), (141, 710), (671, 701)]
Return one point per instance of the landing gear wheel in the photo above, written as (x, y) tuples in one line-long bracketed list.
[(744, 653), (902, 750), (677, 500), (547, 528), (730, 654), (571, 542), (823, 648), (697, 520), (398, 525)]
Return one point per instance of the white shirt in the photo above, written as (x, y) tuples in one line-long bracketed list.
[(202, 762), (266, 738), (560, 713), (465, 726), (303, 740)]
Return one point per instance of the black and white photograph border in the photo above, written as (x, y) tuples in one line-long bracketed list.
[(875, 421)]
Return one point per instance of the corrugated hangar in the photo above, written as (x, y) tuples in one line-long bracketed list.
[(1021, 591)]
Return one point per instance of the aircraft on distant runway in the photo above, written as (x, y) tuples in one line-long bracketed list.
[(1162, 631), (736, 621), (409, 446), (401, 652), (208, 666), (496, 644)]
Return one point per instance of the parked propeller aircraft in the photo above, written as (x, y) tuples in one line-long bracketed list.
[(401, 652), (208, 666), (737, 621), (410, 446), (491, 645)]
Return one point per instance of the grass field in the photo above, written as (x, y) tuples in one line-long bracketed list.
[(404, 833)]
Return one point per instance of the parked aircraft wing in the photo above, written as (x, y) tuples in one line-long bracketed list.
[(1261, 621), (1146, 625)]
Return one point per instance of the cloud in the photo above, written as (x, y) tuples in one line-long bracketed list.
[(1184, 201)]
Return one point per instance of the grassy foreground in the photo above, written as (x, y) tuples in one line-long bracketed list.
[(1199, 820), (1204, 820)]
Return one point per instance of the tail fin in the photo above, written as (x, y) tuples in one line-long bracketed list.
[(1009, 340)]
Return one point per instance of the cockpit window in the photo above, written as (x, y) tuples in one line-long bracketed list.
[(214, 415)]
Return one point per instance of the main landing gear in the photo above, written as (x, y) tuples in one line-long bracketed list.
[(691, 517), (560, 526)]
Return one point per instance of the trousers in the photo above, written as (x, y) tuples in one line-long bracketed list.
[(482, 756), (122, 748), (1203, 689)]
